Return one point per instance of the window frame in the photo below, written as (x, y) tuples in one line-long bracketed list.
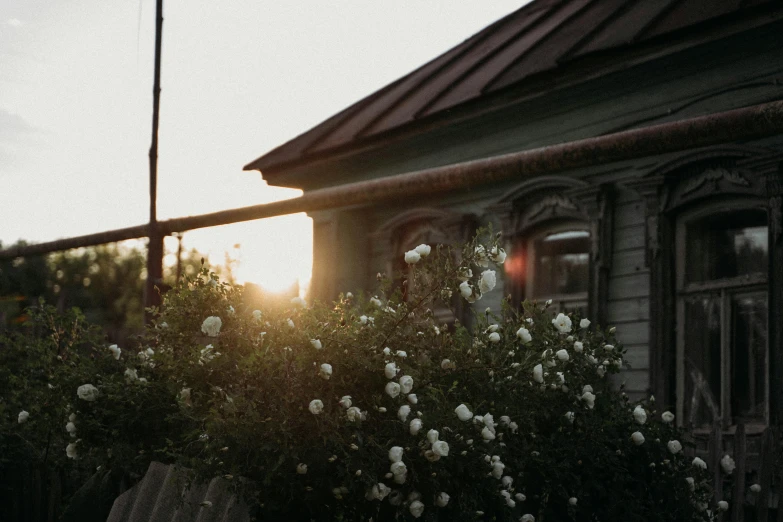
[(726, 289)]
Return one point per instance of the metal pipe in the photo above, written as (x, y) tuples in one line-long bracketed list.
[(758, 121)]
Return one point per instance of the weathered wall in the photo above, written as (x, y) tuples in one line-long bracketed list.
[(735, 72)]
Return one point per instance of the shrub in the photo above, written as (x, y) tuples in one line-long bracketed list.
[(369, 409)]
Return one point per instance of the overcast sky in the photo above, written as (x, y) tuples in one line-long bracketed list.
[(238, 79)]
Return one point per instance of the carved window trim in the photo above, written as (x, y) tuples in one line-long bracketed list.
[(541, 203), (696, 177)]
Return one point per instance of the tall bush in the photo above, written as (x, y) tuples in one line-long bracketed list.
[(368, 409)]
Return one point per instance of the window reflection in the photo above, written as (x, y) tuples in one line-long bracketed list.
[(561, 263), (726, 245)]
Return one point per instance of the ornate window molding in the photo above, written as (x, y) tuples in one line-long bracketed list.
[(745, 177), (548, 204), (432, 226)]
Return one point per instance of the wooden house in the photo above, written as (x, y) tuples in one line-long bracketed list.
[(683, 253)]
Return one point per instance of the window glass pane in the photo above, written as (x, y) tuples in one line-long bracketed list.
[(749, 356), (702, 359), (728, 244), (561, 264)]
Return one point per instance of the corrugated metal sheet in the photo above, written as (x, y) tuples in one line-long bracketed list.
[(156, 498), (543, 36)]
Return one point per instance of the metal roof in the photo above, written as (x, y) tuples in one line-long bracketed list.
[(543, 36)]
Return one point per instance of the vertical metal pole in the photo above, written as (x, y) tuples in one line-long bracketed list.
[(155, 247)]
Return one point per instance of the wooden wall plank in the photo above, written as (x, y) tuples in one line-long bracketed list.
[(628, 262), (629, 286), (629, 310)]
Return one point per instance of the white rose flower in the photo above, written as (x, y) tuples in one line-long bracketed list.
[(442, 499), (403, 412), (412, 398), (412, 257), (392, 389), (423, 250), (399, 471), (578, 347), (115, 351), (326, 371), (497, 469), (698, 463), (494, 337), (487, 434), (755, 488), (395, 454), (570, 416), (446, 364), (463, 413), (639, 414), (728, 464), (406, 384), (538, 373), (416, 508), (87, 392), (637, 438), (390, 371), (353, 414), (71, 429), (301, 468), (375, 301), (520, 497), (498, 255), (432, 436), (667, 417), (589, 398), (691, 483), (674, 446), (563, 355), (723, 505), (291, 324), (379, 492), (487, 281), (507, 481), (363, 319), (316, 407), (70, 451), (440, 448), (298, 301), (562, 322), (524, 335), (584, 323), (22, 417), (345, 402), (211, 326), (316, 344), (527, 518), (572, 501), (401, 354), (415, 426), (256, 315), (465, 290)]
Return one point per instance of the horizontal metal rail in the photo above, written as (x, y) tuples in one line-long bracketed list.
[(748, 123)]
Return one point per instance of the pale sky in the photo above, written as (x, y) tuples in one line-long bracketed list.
[(238, 79)]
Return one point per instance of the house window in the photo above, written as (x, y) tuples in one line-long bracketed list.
[(557, 267), (721, 292)]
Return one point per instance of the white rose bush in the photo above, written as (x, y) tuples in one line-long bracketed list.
[(366, 408)]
